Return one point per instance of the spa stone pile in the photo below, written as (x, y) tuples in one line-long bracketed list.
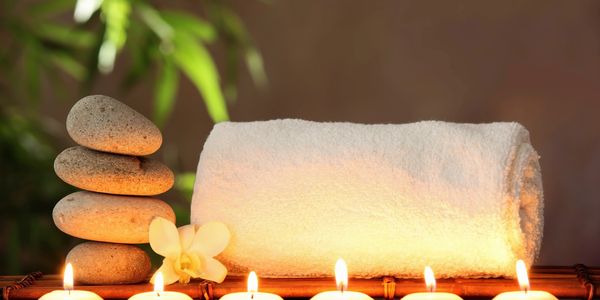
[(114, 209)]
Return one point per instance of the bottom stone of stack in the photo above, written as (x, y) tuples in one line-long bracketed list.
[(108, 263)]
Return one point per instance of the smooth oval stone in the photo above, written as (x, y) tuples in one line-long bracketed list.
[(112, 173), (105, 124), (109, 218), (107, 263)]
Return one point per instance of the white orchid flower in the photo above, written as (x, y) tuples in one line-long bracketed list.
[(189, 250)]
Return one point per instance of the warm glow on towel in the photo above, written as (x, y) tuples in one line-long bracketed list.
[(465, 199)]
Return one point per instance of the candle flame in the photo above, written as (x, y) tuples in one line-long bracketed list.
[(68, 277), (341, 275), (252, 282), (522, 275), (429, 279), (159, 285)]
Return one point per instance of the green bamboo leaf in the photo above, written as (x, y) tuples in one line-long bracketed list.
[(142, 55), (67, 63), (84, 9), (238, 38), (165, 92), (232, 25), (256, 67), (155, 22), (116, 17), (65, 35), (196, 63), (235, 28), (50, 8), (184, 22)]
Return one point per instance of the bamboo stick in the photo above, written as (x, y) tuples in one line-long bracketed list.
[(560, 281)]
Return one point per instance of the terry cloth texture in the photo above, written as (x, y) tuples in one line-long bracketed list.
[(465, 199)]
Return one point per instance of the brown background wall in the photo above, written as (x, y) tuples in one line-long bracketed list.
[(535, 62)]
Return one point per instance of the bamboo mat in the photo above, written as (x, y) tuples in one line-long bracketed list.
[(563, 282)]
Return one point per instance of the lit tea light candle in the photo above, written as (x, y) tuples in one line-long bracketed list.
[(69, 293), (159, 292), (431, 294), (252, 293), (524, 293), (341, 280)]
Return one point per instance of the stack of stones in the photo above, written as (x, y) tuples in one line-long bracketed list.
[(114, 210)]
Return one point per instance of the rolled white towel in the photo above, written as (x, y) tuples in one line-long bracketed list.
[(465, 199)]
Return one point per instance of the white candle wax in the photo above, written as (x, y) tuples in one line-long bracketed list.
[(160, 296), (431, 295), (68, 293), (252, 293), (524, 293), (251, 296), (159, 293), (337, 295)]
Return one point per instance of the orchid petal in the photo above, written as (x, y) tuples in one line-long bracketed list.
[(164, 238), (191, 273), (184, 277), (197, 265), (214, 270), (168, 271), (211, 239), (186, 236)]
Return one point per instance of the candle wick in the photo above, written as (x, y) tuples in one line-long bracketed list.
[(252, 296)]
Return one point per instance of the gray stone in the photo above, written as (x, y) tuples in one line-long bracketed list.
[(105, 124), (113, 173), (107, 263), (109, 218)]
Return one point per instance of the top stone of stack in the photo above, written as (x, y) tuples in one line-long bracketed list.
[(105, 124)]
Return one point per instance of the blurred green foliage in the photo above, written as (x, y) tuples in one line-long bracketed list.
[(80, 40), (29, 191)]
